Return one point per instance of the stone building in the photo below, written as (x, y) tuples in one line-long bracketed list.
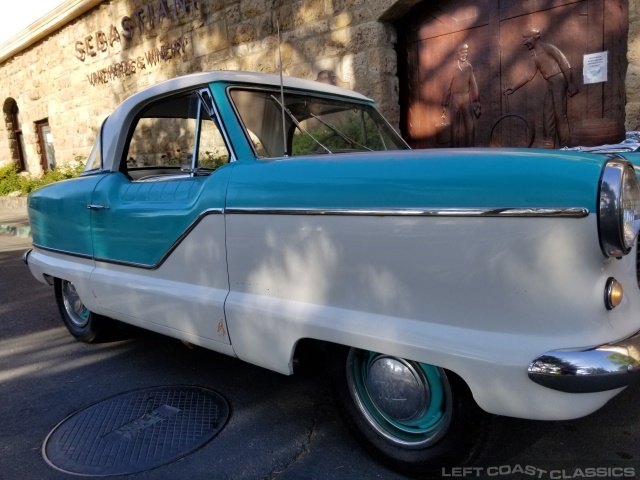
[(62, 76)]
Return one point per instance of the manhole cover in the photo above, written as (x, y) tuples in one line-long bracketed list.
[(136, 431)]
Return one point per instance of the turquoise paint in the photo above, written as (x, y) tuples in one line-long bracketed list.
[(241, 146), (59, 217), (421, 179), (145, 219)]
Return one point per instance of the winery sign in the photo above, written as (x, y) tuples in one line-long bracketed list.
[(145, 19)]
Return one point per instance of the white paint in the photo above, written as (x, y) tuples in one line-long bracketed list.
[(481, 297), (185, 294)]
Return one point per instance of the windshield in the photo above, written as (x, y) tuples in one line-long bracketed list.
[(312, 124)]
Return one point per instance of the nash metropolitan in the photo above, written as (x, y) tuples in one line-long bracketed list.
[(260, 219)]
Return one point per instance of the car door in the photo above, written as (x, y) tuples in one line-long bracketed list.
[(158, 228)]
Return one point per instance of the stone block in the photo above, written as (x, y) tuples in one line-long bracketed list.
[(310, 10), (260, 62), (264, 25), (367, 35), (302, 70), (305, 31), (633, 116), (382, 61), (341, 20), (291, 55), (252, 8), (212, 38), (633, 83), (242, 33), (338, 6)]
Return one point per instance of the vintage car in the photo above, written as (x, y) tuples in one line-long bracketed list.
[(261, 219)]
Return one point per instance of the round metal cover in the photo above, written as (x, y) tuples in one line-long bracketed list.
[(136, 431)]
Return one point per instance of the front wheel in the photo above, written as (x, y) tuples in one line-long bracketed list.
[(417, 418), (83, 324)]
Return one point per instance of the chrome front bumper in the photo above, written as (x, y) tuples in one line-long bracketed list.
[(596, 370)]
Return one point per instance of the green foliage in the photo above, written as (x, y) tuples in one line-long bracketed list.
[(360, 129), (12, 181), (211, 161)]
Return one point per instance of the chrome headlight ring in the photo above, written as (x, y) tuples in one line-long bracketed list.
[(619, 208)]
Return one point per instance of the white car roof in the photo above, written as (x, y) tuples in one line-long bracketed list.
[(122, 117)]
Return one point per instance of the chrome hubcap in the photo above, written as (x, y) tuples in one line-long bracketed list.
[(397, 389), (407, 402), (78, 313)]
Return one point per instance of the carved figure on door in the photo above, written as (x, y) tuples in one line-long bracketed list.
[(461, 99), (554, 67)]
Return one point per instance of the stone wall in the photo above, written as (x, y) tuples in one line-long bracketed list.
[(76, 76)]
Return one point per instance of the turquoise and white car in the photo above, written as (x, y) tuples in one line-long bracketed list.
[(264, 221)]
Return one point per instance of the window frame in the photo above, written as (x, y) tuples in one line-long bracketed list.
[(290, 91), (200, 93)]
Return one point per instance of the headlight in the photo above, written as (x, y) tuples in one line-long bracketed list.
[(619, 210)]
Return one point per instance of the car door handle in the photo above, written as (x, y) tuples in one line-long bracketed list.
[(98, 207)]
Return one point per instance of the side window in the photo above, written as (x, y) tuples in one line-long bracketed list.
[(175, 136), (212, 151)]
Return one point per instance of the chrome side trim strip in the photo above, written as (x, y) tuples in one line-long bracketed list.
[(194, 224), (567, 212), (599, 369), (63, 252)]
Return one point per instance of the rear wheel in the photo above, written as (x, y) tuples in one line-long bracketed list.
[(83, 324), (417, 418)]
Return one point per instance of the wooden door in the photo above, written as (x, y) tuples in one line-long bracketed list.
[(430, 40)]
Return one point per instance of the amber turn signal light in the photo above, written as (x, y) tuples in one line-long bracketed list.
[(613, 293)]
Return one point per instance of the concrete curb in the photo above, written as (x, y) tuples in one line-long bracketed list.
[(13, 202), (14, 215)]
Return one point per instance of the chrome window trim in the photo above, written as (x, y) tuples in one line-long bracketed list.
[(563, 212), (100, 139), (221, 126), (136, 113)]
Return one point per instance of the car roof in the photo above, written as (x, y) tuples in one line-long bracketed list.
[(123, 116)]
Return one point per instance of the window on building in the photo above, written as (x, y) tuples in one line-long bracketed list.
[(16, 140), (45, 141)]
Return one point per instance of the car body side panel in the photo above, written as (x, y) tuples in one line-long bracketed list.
[(160, 252), (75, 269), (480, 296), (186, 293), (59, 217), (416, 179), (145, 219)]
